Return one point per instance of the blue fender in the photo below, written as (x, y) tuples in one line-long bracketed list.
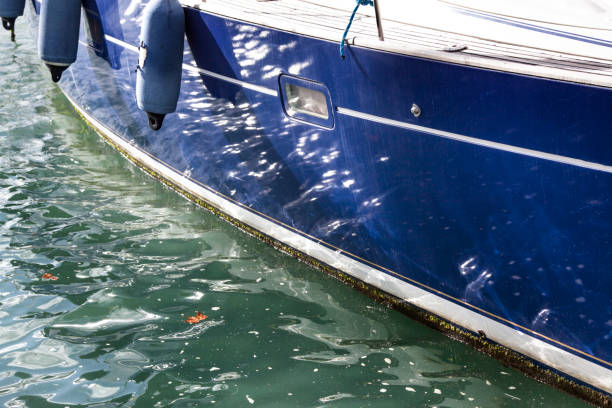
[(160, 62), (9, 11), (58, 34)]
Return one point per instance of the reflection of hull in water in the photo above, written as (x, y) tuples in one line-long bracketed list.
[(490, 209)]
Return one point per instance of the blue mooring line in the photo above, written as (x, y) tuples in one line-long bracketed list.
[(359, 3)]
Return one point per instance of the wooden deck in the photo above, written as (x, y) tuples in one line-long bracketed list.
[(312, 19)]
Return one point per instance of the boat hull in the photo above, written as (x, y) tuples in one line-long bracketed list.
[(490, 209)]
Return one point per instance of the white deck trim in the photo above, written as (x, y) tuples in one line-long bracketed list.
[(478, 142), (580, 368), (121, 43), (247, 85), (193, 68), (404, 125)]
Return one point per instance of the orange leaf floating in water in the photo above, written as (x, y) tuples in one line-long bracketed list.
[(196, 319), (49, 276)]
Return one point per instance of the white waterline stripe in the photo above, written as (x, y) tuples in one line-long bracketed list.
[(193, 68), (548, 354), (405, 125), (480, 142)]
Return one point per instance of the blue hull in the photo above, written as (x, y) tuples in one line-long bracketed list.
[(495, 199)]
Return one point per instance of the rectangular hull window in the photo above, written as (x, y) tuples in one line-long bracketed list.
[(306, 101)]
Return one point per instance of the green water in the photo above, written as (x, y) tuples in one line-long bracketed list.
[(133, 260)]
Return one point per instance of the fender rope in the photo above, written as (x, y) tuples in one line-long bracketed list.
[(346, 30)]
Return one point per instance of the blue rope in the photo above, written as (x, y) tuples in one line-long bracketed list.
[(359, 3)]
